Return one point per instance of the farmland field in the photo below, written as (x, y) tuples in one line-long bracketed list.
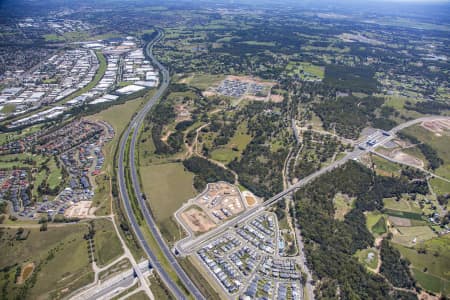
[(401, 205), (431, 265), (409, 236)]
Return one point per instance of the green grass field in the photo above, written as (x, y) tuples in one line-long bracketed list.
[(203, 81), (363, 257), (305, 70), (12, 136), (409, 236), (440, 186), (414, 151), (138, 296), (431, 267), (438, 143), (118, 116), (60, 255), (201, 278), (256, 43), (53, 38), (431, 283), (101, 199), (239, 141), (8, 108), (158, 289), (398, 103), (107, 244), (402, 205), (167, 187), (372, 218), (384, 167), (55, 175), (20, 160), (379, 227)]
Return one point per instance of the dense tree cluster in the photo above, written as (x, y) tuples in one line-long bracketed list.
[(394, 268), (356, 79), (331, 243), (260, 169), (348, 115), (206, 172), (428, 107)]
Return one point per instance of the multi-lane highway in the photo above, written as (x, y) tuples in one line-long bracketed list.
[(190, 244), (133, 131)]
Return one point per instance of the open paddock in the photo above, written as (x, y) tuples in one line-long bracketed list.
[(410, 236)]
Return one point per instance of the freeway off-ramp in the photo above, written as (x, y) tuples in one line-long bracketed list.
[(133, 130), (189, 244)]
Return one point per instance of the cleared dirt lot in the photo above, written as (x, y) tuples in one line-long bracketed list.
[(197, 220), (438, 127), (78, 210)]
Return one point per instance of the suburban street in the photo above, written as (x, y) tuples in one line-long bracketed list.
[(133, 129)]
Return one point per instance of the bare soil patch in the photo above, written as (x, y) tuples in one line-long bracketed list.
[(78, 210), (276, 98), (250, 201), (25, 273), (438, 127), (408, 159), (197, 220)]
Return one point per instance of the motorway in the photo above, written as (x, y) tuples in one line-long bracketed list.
[(189, 245), (133, 131)]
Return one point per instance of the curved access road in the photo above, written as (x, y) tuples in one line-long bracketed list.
[(133, 132)]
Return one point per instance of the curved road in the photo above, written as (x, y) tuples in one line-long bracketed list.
[(133, 131)]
